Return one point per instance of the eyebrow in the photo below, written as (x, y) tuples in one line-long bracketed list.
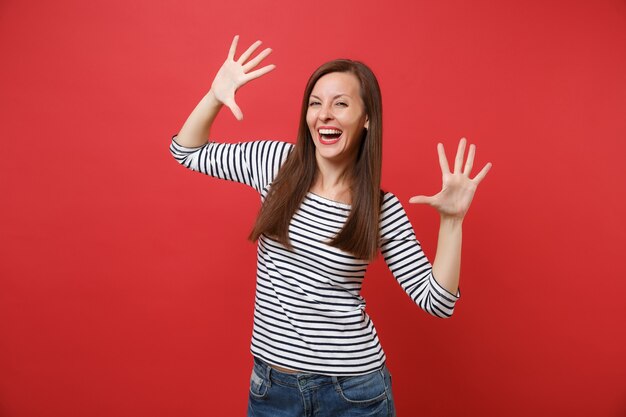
[(337, 96)]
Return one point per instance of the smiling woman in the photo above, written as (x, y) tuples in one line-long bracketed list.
[(337, 120), (323, 219), (341, 96)]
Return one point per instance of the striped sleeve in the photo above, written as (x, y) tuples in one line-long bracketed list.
[(251, 163), (408, 263)]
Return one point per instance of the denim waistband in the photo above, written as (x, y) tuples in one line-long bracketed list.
[(298, 379)]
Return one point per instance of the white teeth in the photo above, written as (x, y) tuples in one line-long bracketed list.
[(330, 132)]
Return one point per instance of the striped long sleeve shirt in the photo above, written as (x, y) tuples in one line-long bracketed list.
[(309, 314)]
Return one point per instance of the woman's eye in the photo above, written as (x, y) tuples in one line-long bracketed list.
[(342, 104), (313, 103)]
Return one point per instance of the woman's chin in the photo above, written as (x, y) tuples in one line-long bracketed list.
[(334, 154)]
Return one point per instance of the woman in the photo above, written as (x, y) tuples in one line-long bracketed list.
[(323, 218)]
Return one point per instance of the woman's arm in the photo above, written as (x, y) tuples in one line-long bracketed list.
[(230, 77), (408, 263), (447, 264), (195, 131), (452, 202), (252, 163)]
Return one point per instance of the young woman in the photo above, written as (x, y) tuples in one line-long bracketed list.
[(323, 218)]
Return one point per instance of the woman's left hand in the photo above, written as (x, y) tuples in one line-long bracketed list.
[(458, 188)]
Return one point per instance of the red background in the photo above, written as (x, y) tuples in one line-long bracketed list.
[(127, 282)]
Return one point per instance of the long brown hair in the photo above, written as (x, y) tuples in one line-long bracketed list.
[(359, 235)]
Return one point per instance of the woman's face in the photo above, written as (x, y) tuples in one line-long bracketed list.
[(336, 117)]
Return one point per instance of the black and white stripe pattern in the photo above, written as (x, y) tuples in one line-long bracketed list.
[(309, 314)]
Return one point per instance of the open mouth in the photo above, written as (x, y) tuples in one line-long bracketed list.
[(329, 136)]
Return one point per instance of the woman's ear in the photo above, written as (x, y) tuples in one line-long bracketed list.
[(367, 122)]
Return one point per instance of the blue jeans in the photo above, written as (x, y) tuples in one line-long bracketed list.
[(279, 394)]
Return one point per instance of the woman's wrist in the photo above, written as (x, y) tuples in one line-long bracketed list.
[(450, 221), (212, 100)]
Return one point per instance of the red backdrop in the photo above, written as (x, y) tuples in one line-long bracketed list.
[(127, 282)]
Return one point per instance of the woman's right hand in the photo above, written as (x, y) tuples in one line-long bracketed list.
[(233, 74)]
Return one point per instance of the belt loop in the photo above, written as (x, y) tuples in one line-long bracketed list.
[(383, 371), (268, 371)]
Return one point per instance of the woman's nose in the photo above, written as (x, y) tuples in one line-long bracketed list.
[(325, 113)]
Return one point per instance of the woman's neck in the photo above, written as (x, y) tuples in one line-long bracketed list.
[(333, 182)]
